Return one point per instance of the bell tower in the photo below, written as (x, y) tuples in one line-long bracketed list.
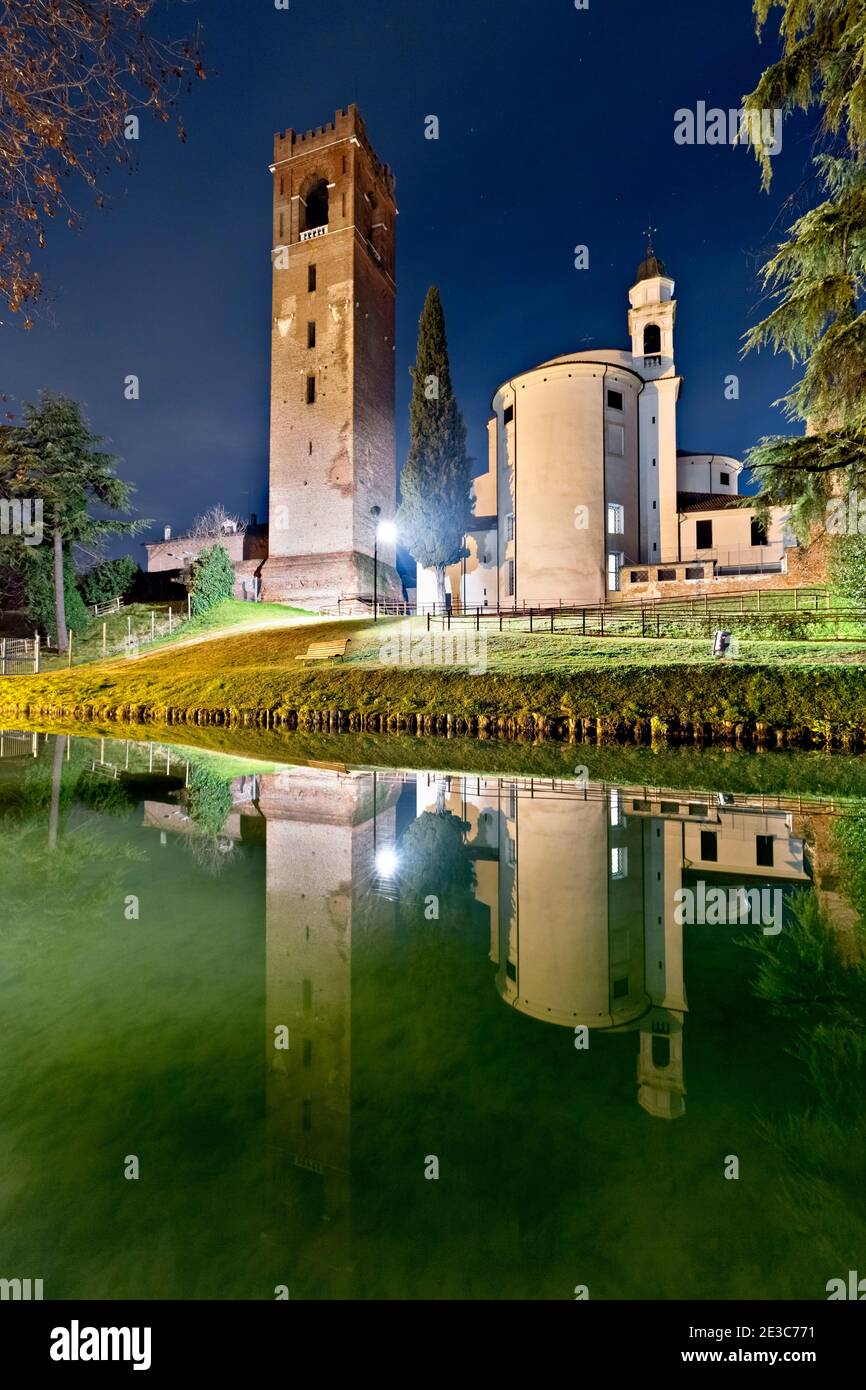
[(332, 437), (651, 319)]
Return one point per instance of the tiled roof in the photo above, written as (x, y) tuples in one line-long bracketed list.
[(710, 501)]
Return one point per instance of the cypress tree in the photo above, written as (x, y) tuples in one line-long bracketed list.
[(436, 480)]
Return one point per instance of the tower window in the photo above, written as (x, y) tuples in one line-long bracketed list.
[(619, 863), (614, 400), (508, 415), (509, 570), (759, 533), (311, 278), (652, 340), (509, 527), (614, 567), (724, 480), (703, 535), (311, 390), (615, 519), (311, 335), (315, 207)]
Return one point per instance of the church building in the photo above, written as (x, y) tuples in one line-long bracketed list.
[(587, 497)]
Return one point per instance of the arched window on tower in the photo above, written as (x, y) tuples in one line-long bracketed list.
[(314, 207), (652, 340)]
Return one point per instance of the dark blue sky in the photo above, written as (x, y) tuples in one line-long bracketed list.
[(556, 129)]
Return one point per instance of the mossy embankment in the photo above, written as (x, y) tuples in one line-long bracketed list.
[(556, 686)]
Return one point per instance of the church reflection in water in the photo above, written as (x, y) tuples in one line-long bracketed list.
[(578, 883)]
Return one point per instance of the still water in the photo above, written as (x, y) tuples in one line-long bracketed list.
[(338, 1030)]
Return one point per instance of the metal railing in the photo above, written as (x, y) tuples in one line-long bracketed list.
[(19, 656)]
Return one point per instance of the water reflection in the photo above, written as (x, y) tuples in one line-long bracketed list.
[(404, 918)]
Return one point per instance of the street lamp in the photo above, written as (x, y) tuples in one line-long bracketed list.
[(386, 532)]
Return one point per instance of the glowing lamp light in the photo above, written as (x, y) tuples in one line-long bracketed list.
[(386, 532), (387, 861)]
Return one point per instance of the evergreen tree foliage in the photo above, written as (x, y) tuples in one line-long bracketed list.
[(108, 580), (436, 480), (38, 574), (52, 456), (816, 279), (213, 579)]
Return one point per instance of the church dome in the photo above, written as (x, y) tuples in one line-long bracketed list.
[(652, 266)]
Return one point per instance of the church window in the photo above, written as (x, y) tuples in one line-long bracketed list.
[(619, 863), (311, 390), (616, 816), (508, 415), (614, 566), (311, 335), (615, 519), (709, 846), (654, 506), (615, 440), (661, 1051), (759, 533), (614, 400), (652, 340), (703, 535), (764, 851), (311, 278), (509, 570), (509, 527), (724, 480)]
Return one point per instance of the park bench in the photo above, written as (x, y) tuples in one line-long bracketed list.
[(326, 651)]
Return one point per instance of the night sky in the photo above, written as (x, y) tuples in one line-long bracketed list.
[(556, 129)]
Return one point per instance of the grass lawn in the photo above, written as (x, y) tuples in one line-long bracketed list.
[(136, 618), (244, 658)]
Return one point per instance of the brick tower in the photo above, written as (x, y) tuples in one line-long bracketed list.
[(332, 454)]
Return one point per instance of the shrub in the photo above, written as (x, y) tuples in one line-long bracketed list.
[(847, 569), (108, 580), (213, 579)]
